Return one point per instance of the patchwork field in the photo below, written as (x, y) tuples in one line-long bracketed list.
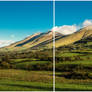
[(21, 80), (74, 70), (26, 71)]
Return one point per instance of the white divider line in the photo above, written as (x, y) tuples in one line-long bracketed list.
[(53, 46)]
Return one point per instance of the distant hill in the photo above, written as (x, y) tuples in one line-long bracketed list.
[(33, 41), (79, 35), (44, 40)]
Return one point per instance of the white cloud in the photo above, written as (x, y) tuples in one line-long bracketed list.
[(87, 23), (65, 29), (5, 42), (69, 29)]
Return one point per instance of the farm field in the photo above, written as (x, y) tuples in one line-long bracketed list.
[(26, 71), (74, 70), (73, 84), (21, 80)]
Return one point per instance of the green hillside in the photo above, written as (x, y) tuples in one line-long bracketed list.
[(74, 61)]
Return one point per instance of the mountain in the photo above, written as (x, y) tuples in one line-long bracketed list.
[(34, 41), (25, 41), (79, 35), (45, 40)]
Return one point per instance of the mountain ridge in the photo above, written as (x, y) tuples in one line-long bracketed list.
[(82, 33), (45, 40)]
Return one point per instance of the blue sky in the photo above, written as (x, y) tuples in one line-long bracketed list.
[(19, 19), (72, 12)]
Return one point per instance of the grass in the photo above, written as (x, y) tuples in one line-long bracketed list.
[(20, 80), (11, 85), (68, 54), (23, 75), (89, 43), (22, 60), (64, 84), (31, 64), (85, 62), (71, 75), (24, 79), (73, 87)]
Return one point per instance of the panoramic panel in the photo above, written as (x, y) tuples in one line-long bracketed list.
[(73, 34), (26, 46)]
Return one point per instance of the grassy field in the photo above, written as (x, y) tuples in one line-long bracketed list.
[(26, 71), (20, 80), (64, 84), (74, 87), (84, 63), (74, 71), (32, 64)]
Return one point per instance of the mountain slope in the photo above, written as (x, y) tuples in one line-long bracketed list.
[(25, 41), (83, 33), (35, 40), (44, 40)]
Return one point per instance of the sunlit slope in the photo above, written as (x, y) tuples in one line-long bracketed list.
[(83, 33), (40, 41), (25, 41), (36, 40), (45, 40)]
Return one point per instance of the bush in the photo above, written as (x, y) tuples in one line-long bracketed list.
[(76, 75)]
